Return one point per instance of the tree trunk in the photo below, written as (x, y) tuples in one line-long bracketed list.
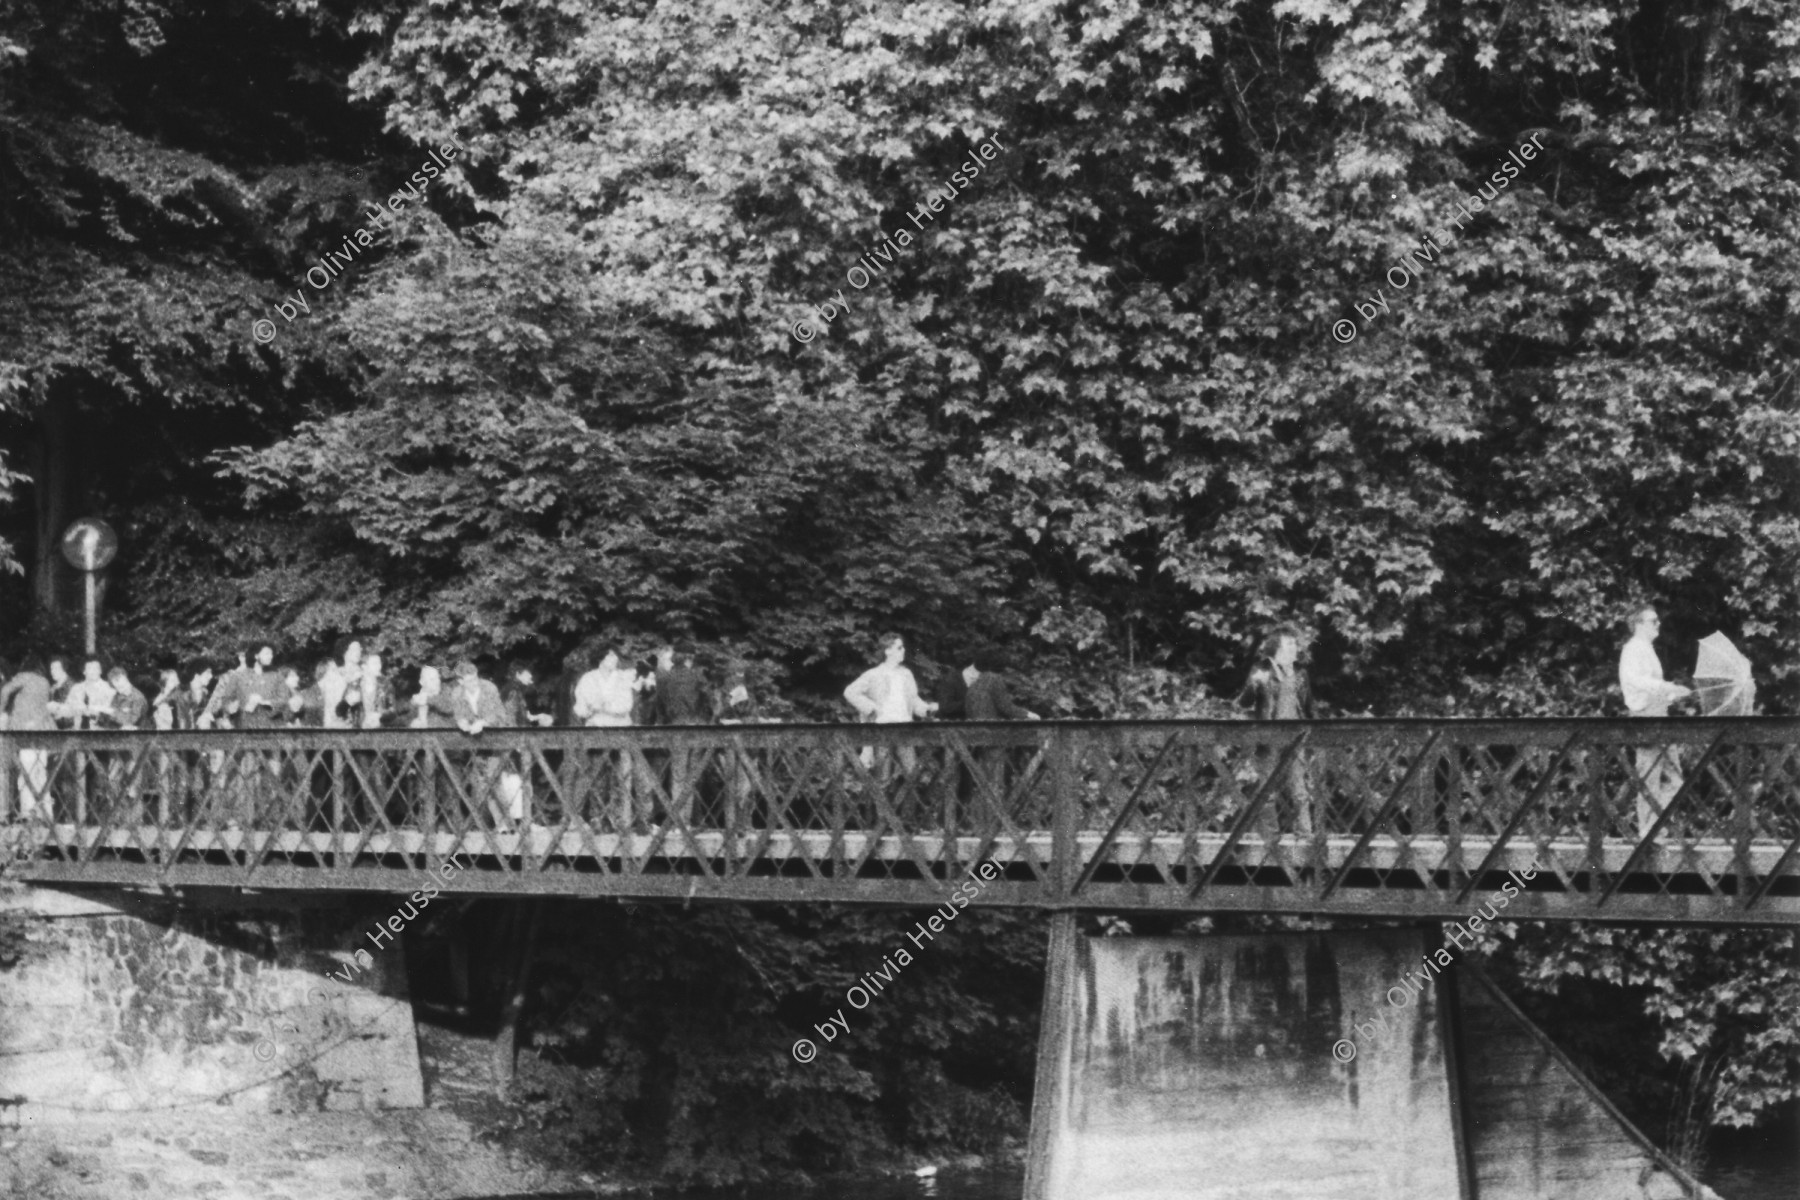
[(506, 1042)]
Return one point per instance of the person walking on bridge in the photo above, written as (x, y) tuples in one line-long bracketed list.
[(1278, 690), (987, 698), (888, 694), (1648, 694), (738, 707)]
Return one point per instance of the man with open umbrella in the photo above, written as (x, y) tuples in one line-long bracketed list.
[(1648, 694)]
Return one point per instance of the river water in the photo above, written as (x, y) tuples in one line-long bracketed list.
[(999, 1185), (1759, 1178)]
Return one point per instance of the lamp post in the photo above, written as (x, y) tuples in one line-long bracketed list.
[(89, 544)]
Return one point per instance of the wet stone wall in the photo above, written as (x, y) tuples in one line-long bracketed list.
[(131, 1003)]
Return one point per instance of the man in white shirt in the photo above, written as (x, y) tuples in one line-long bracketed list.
[(92, 698), (1647, 694), (887, 695), (604, 697)]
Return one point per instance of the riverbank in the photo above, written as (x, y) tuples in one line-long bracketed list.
[(219, 1154), (450, 1148), (464, 1143)]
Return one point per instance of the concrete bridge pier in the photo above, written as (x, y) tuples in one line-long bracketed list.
[(1330, 1066), (121, 999)]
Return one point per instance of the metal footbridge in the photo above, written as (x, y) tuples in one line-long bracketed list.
[(1408, 819)]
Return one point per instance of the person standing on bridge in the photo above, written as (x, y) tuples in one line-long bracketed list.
[(375, 693), (679, 699), (516, 697), (515, 782), (164, 704), (430, 707), (604, 698), (475, 706), (1648, 694), (1279, 690), (737, 707), (192, 702), (289, 716), (129, 708), (254, 693), (345, 675), (60, 687), (128, 705), (257, 697), (885, 695), (92, 698), (311, 713), (26, 701)]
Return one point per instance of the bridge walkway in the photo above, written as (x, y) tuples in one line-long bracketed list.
[(1415, 819)]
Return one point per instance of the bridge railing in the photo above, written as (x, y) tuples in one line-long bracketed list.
[(1069, 809)]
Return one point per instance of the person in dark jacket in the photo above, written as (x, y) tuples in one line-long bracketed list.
[(680, 696), (515, 697), (679, 699), (129, 706), (953, 691), (193, 698), (516, 793), (167, 779), (128, 709), (1278, 690), (475, 707), (736, 706), (254, 696), (60, 686), (987, 698)]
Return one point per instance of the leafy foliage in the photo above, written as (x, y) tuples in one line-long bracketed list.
[(667, 1034), (1727, 995), (1092, 409)]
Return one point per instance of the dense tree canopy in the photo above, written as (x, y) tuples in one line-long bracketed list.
[(1096, 393), (1093, 409)]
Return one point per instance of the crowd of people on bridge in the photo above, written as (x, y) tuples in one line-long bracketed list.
[(353, 689), (602, 687)]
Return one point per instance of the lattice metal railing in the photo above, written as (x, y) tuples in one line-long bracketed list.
[(1628, 820)]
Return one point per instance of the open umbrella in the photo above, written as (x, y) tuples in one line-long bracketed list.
[(1722, 677)]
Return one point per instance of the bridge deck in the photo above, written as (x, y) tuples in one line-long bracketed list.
[(1379, 818)]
